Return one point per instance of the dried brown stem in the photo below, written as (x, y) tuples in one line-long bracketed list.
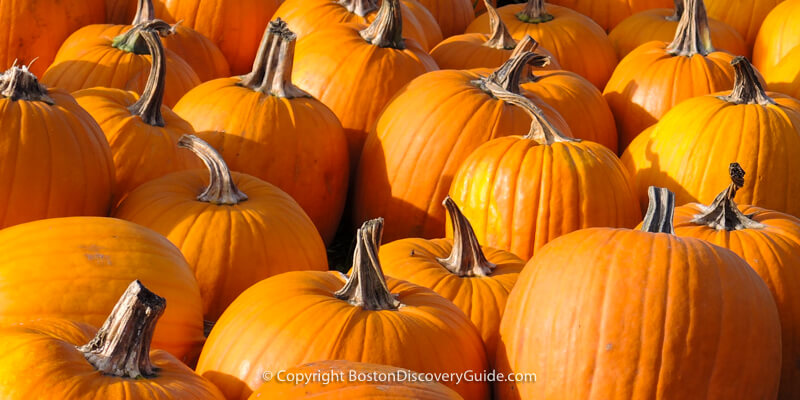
[(17, 83), (221, 189), (499, 37), (723, 214), (362, 8), (676, 16), (747, 88), (148, 107), (144, 12), (534, 12), (272, 68), (692, 35), (542, 131), (387, 28), (466, 258), (658, 218)]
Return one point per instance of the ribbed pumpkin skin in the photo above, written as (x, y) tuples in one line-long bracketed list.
[(354, 78), (779, 34), (683, 151), (785, 77), (433, 32), (293, 318), (346, 389), (295, 144), (234, 26), (467, 51), (651, 25), (54, 161), (420, 140), (609, 13), (453, 16), (38, 360), (579, 44), (649, 81), (120, 11), (744, 16), (698, 322), (481, 298), (34, 29), (229, 248), (579, 102), (520, 195), (77, 267)]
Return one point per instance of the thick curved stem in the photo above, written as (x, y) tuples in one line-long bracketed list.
[(526, 44), (366, 287), (132, 40), (148, 107), (362, 8), (499, 37), (144, 12), (387, 28), (692, 35), (466, 258), (221, 189), (747, 88), (660, 211), (534, 12), (723, 214), (510, 75), (676, 16), (122, 346), (272, 69), (17, 83), (542, 131)]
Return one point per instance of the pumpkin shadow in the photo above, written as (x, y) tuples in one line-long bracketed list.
[(231, 386), (634, 115), (654, 175), (65, 70)]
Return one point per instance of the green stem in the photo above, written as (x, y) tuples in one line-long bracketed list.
[(148, 107)]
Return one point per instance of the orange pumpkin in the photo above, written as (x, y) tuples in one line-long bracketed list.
[(437, 120), (427, 21), (339, 379), (77, 267), (656, 76), (61, 359), (785, 77), (609, 13), (268, 128), (777, 39), (480, 5), (453, 16), (54, 160), (120, 11), (475, 278), (142, 133), (661, 23), (760, 130), (355, 70), (238, 231), (578, 43), (744, 16), (297, 317), (616, 313)]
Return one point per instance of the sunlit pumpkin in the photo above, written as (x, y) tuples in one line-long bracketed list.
[(609, 13)]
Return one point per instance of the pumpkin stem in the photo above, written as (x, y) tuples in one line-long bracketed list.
[(692, 35), (359, 7), (747, 88), (17, 83), (366, 287), (221, 190), (466, 258), (499, 37), (272, 69), (723, 214), (144, 12), (509, 75), (534, 12), (122, 346), (526, 44), (542, 131), (676, 16), (132, 40), (148, 107), (387, 28), (660, 210)]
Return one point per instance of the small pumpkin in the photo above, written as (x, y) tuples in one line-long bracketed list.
[(64, 359), (453, 16), (656, 76), (744, 16), (609, 13), (297, 317), (266, 127), (238, 231), (561, 185), (759, 129)]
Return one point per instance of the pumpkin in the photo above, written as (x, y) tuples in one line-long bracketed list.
[(33, 29), (770, 242), (744, 16), (618, 313), (120, 11), (562, 185), (438, 119), (481, 50), (656, 76), (299, 317), (238, 231), (578, 43), (307, 16), (758, 129), (785, 77), (355, 70), (778, 36), (480, 5), (77, 267), (121, 62), (141, 131), (661, 23), (453, 16), (50, 359), (266, 127), (54, 160), (475, 278), (353, 380), (609, 13)]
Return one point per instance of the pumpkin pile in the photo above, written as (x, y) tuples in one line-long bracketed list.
[(400, 199)]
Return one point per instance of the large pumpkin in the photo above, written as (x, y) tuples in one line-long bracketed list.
[(266, 127), (615, 313), (453, 16), (77, 267), (54, 159), (578, 43), (560, 185), (299, 317), (61, 359), (238, 231), (744, 16), (475, 278), (758, 129), (609, 13), (774, 50), (143, 134)]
